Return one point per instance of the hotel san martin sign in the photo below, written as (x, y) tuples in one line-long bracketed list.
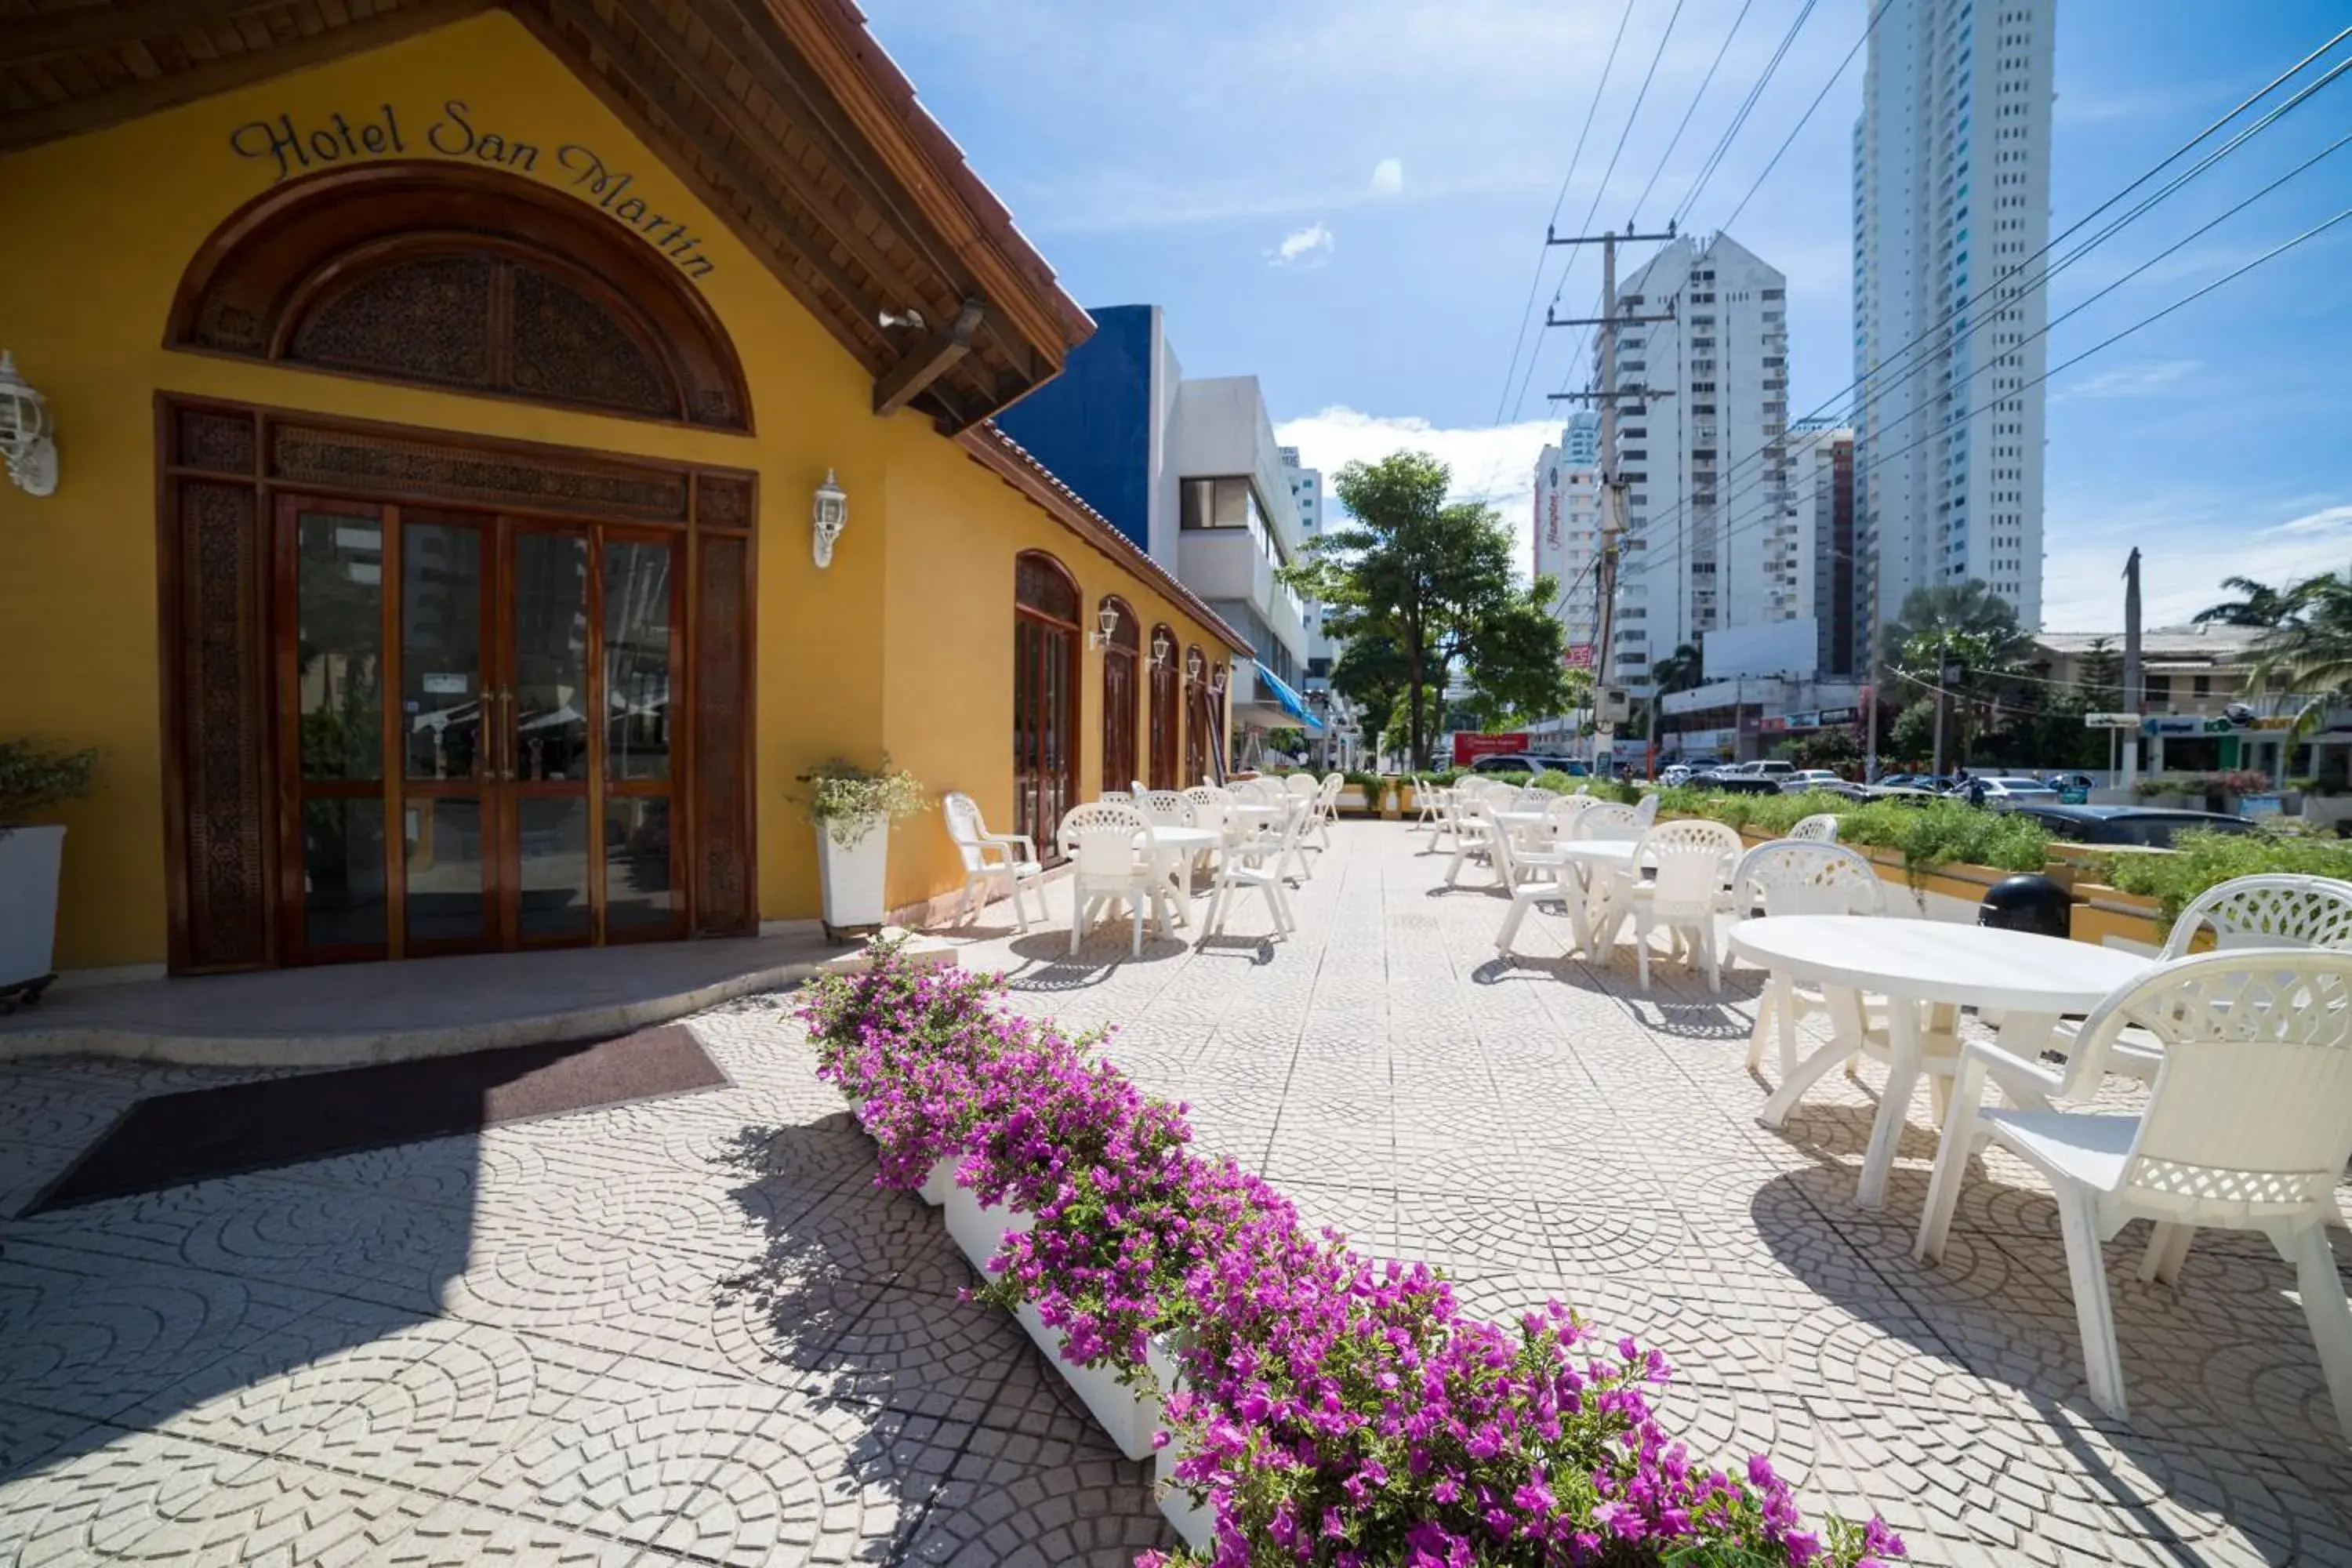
[(289, 147)]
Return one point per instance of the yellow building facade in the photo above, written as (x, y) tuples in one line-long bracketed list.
[(432, 558)]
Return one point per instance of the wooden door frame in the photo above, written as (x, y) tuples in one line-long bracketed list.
[(257, 452)]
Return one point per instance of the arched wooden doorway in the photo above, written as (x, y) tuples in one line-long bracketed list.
[(431, 692), (1121, 698), (1044, 697), (1166, 715)]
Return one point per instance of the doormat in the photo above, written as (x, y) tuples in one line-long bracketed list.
[(176, 1138)]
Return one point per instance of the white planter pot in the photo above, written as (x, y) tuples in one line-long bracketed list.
[(29, 858), (940, 1183), (976, 1231), (1196, 1525), (853, 877)]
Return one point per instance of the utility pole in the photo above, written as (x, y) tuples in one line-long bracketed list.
[(1612, 484), (2134, 690)]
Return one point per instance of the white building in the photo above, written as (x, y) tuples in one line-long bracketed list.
[(1951, 202), (1712, 535), (1306, 496), (1566, 531), (1820, 460)]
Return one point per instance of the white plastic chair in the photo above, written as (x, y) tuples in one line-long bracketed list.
[(1256, 859), (1473, 839), (1647, 809), (1609, 821), (1690, 859), (1425, 797), (1794, 877), (2275, 909), (2248, 1128), (990, 857), (1304, 785), (1541, 877), (1821, 828), (1326, 806), (1117, 798), (1106, 866)]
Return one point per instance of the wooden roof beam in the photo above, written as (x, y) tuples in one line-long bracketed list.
[(27, 39), (930, 360), (600, 34)]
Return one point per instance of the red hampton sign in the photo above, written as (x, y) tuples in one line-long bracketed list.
[(1468, 748)]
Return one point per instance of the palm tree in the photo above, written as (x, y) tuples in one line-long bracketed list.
[(1679, 671), (2309, 644), (2259, 604), (1968, 614)]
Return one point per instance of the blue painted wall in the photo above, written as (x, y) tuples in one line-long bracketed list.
[(1092, 423)]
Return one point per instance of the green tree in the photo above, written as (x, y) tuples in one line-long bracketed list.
[(1681, 671), (1434, 578), (1965, 624), (2309, 649), (2102, 679), (1915, 731), (2257, 605)]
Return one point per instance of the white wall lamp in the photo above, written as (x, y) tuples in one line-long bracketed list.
[(27, 432), (1217, 680), (827, 518), (1164, 648), (1107, 625), (1193, 662)]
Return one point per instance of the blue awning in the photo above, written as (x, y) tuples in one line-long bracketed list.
[(1292, 703)]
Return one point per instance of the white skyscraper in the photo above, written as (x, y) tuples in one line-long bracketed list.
[(1566, 523), (1712, 537), (1951, 202), (1307, 490)]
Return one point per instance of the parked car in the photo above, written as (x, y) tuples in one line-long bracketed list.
[(2005, 793), (1805, 779), (1732, 781), (2150, 827), (1530, 763), (1676, 773)]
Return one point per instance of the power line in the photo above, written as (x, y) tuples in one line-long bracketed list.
[(1835, 77), (1535, 285), (1886, 385), (1696, 99), (1739, 118), (1749, 487), (1600, 191)]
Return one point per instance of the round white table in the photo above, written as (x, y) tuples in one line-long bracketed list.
[(1173, 846), (2031, 981)]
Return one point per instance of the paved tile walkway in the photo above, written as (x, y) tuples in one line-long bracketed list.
[(692, 1330)]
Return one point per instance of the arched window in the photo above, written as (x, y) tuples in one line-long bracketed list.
[(1120, 696), (1166, 715), (469, 279), (1196, 715), (1045, 696)]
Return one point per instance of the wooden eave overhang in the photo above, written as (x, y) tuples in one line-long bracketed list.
[(785, 117), (1001, 455)]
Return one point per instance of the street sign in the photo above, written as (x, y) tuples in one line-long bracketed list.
[(2111, 720)]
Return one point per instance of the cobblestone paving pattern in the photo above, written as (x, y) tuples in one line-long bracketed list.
[(692, 1330)]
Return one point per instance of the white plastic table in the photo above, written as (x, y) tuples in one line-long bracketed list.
[(1171, 847), (2031, 980)]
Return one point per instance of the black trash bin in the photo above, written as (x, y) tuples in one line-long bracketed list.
[(2029, 903)]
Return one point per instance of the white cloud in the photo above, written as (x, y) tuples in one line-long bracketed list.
[(1309, 247), (2144, 380), (1492, 463), (1388, 176), (2188, 543)]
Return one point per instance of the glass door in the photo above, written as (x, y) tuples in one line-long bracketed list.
[(517, 789)]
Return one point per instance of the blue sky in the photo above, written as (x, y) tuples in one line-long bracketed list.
[(1348, 200)]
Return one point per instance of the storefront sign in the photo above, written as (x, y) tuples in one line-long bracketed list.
[(2111, 720), (1579, 655), (1773, 724), (1804, 720), (1839, 716), (1468, 748), (2182, 724), (292, 147)]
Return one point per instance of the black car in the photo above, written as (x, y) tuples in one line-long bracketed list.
[(2148, 827), (1736, 783)]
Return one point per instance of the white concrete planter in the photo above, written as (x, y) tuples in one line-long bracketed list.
[(853, 877), (1196, 1525), (29, 858), (940, 1183), (976, 1231)]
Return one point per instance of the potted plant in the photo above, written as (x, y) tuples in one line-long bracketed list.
[(852, 808), (34, 778)]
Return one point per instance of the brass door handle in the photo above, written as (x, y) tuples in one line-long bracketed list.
[(507, 733)]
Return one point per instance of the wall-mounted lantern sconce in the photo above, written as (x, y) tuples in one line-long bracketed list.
[(827, 518), (1164, 648), (27, 433), (1193, 662), (1106, 623), (1217, 679)]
